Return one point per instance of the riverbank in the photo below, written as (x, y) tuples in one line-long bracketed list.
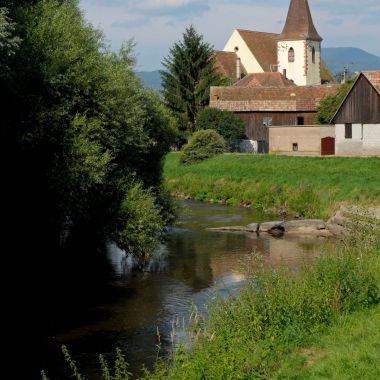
[(315, 324), (307, 187)]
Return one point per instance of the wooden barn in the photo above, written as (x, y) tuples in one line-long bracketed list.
[(261, 107), (357, 121)]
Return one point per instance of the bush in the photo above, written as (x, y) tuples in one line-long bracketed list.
[(202, 145), (224, 122)]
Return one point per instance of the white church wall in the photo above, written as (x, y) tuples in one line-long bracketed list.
[(294, 70), (248, 60), (303, 71)]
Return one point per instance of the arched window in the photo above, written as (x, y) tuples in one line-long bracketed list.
[(313, 54), (291, 55)]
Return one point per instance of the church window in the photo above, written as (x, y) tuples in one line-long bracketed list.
[(313, 55), (291, 55)]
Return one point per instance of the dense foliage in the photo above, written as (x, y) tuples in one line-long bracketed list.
[(79, 133), (203, 144), (226, 123), (188, 76), (329, 105)]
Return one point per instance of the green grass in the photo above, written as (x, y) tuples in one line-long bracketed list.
[(307, 186), (350, 350)]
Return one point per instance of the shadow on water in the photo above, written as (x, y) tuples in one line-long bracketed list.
[(103, 304)]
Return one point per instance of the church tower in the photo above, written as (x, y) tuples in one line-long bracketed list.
[(299, 46)]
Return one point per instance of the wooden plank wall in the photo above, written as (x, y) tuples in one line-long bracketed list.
[(255, 130), (362, 106)]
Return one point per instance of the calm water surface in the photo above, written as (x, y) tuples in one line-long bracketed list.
[(190, 267)]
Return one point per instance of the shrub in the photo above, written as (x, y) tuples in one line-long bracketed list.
[(202, 145), (225, 123)]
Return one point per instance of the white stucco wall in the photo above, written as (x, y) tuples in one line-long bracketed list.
[(244, 53), (302, 71), (365, 140)]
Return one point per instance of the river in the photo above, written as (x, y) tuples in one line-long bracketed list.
[(190, 267)]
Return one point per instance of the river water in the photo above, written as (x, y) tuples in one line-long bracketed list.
[(191, 266)]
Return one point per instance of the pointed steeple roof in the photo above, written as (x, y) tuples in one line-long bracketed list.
[(299, 23)]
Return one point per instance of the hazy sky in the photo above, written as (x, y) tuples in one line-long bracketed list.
[(157, 24)]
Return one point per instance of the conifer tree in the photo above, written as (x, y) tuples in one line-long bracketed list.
[(190, 71)]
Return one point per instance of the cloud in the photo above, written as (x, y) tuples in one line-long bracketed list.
[(157, 24)]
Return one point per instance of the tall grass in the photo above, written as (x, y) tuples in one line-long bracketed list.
[(306, 186)]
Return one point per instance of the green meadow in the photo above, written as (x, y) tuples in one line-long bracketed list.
[(303, 186)]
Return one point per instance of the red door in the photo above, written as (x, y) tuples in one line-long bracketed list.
[(328, 146)]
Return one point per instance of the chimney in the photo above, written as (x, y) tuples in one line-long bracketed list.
[(238, 64), (238, 68)]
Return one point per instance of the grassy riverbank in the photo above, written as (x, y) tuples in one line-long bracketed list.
[(307, 186), (316, 324)]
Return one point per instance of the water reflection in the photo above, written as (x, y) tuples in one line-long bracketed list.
[(187, 269)]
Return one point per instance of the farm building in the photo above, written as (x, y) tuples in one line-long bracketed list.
[(357, 121), (261, 107)]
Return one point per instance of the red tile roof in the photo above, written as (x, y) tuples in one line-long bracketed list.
[(271, 99), (225, 63), (264, 80), (374, 78), (299, 23)]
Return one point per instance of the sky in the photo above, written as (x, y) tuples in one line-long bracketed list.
[(156, 25)]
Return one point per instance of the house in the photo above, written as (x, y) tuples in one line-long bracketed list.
[(278, 77), (357, 121), (295, 53)]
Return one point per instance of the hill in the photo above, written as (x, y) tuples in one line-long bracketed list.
[(151, 79), (336, 60), (353, 58)]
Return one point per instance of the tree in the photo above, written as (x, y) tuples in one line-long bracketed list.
[(329, 105), (226, 123), (8, 41), (81, 133), (190, 71)]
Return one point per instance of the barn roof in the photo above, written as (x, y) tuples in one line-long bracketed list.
[(299, 23), (271, 99), (264, 80), (373, 78), (225, 63)]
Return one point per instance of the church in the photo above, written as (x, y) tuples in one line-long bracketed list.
[(276, 79), (295, 53)]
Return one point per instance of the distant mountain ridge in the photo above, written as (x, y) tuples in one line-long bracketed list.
[(354, 59), (151, 79)]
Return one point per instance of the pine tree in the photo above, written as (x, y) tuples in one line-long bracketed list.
[(190, 71)]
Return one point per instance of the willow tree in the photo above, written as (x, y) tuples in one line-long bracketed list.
[(190, 71)]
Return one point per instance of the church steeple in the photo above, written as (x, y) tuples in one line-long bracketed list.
[(299, 23)]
